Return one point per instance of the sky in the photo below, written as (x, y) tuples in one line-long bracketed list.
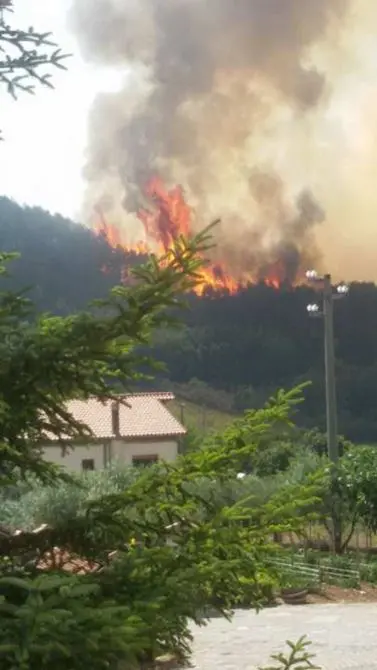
[(42, 157)]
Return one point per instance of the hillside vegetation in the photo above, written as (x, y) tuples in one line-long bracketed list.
[(200, 418), (241, 348)]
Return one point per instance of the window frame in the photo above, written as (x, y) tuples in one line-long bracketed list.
[(90, 462), (143, 461)]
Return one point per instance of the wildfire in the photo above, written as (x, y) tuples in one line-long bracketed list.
[(169, 217), (275, 275)]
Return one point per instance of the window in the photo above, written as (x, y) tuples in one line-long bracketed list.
[(143, 461), (87, 464)]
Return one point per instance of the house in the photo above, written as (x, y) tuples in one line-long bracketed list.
[(136, 429)]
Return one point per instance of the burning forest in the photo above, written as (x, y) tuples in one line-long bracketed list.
[(258, 113), (167, 216)]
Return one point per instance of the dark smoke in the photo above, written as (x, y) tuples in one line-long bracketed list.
[(291, 238), (181, 48)]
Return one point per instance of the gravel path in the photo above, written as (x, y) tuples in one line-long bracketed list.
[(343, 636)]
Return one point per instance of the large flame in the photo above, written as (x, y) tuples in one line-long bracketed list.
[(167, 217), (170, 217)]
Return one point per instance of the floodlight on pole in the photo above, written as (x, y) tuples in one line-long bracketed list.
[(327, 312), (313, 310), (342, 290)]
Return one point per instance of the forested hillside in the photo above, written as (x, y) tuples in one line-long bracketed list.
[(241, 347), (63, 263)]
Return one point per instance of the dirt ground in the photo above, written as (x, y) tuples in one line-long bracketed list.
[(336, 594)]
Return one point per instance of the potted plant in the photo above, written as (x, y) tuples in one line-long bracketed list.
[(294, 589)]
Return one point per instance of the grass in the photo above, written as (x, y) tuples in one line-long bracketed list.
[(198, 417)]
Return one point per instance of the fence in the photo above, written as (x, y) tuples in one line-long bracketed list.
[(317, 574)]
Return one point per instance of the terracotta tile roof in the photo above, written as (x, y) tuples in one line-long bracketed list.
[(58, 559), (140, 415)]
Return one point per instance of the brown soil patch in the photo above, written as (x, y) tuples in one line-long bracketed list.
[(336, 594)]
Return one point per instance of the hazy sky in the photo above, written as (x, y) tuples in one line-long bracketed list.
[(42, 157)]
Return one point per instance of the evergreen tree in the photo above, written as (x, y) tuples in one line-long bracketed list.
[(160, 552), (25, 55)]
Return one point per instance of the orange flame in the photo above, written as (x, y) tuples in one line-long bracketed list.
[(110, 233), (164, 222), (275, 275), (171, 217)]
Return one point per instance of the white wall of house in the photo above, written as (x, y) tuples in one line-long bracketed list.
[(124, 452), (120, 451), (74, 458)]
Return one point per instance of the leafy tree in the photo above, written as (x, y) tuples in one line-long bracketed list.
[(317, 441), (274, 454), (349, 491), (356, 489)]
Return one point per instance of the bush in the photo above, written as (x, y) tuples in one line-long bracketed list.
[(31, 504)]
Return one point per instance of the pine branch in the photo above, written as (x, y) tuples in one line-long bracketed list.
[(25, 55), (298, 657)]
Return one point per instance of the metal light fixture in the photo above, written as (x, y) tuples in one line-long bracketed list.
[(342, 289), (313, 309)]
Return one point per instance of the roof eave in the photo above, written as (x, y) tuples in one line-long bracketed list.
[(105, 438)]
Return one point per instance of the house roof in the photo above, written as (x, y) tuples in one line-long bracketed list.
[(140, 415)]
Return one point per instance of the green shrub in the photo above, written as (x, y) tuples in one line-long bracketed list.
[(34, 504)]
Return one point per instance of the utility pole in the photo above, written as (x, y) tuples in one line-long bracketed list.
[(331, 405), (327, 313)]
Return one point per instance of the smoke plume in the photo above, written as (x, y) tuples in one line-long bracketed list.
[(250, 105)]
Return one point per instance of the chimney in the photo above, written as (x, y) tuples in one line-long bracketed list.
[(115, 418)]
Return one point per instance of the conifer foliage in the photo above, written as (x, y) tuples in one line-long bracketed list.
[(25, 55), (117, 585)]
